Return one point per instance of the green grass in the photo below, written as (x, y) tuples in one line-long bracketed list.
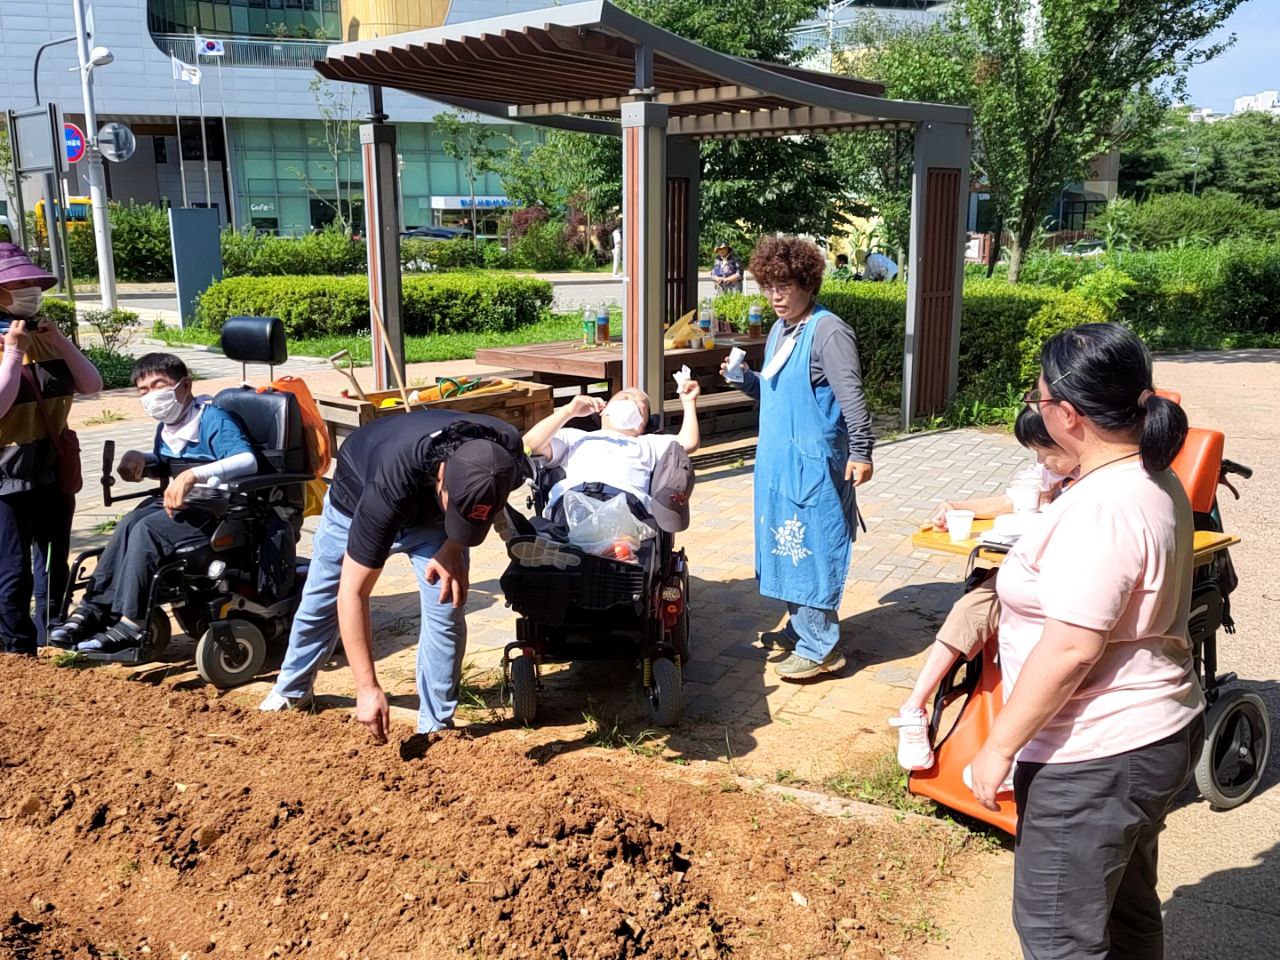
[(418, 349), (881, 781)]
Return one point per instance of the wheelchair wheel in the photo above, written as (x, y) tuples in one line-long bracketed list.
[(666, 693), (159, 631), (1237, 744), (224, 668), (524, 689)]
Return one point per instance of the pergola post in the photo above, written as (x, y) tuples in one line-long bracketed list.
[(382, 238), (644, 228), (935, 275)]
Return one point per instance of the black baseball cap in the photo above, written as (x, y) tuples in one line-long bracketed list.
[(669, 489), (478, 477)]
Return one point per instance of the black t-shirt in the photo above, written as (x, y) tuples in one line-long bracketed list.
[(382, 481)]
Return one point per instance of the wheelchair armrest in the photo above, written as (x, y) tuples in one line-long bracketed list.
[(267, 481)]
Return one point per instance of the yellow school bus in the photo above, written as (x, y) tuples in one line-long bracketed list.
[(78, 215)]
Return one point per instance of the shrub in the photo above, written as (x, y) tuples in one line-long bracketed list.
[(115, 327), (330, 251), (116, 368), (1169, 218), (60, 312), (140, 244), (544, 247), (323, 306)]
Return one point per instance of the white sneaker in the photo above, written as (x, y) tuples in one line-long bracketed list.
[(277, 703), (915, 752), (544, 553)]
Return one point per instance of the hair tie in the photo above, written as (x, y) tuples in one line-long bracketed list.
[(1143, 397)]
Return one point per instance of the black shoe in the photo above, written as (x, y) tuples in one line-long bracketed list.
[(84, 620), (123, 636)]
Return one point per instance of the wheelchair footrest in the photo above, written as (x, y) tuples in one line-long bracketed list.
[(129, 655)]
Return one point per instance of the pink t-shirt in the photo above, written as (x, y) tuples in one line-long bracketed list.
[(1113, 554)]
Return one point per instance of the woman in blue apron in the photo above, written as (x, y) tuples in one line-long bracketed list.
[(814, 447)]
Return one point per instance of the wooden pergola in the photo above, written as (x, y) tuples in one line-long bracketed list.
[(593, 68)]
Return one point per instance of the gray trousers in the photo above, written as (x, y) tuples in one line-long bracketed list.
[(1084, 884)]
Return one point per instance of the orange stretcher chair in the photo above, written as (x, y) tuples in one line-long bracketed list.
[(1238, 729)]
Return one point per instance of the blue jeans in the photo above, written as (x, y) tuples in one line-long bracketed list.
[(814, 630), (442, 640)]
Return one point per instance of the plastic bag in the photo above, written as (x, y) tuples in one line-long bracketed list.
[(606, 528)]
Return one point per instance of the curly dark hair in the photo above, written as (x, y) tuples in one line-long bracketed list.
[(788, 260)]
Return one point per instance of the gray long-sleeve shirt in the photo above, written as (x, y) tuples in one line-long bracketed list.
[(834, 361)]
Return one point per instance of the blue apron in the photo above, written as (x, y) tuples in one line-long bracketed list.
[(804, 508)]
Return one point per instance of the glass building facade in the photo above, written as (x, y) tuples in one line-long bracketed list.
[(285, 182), (306, 19)]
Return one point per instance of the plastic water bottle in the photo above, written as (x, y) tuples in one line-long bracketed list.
[(588, 325), (754, 325), (704, 324), (602, 324)]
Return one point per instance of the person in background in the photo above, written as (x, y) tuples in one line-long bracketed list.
[(40, 368), (974, 617), (814, 449), (842, 270), (194, 441), (1103, 712), (876, 266), (727, 273), (616, 237)]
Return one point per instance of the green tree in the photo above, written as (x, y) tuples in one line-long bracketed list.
[(339, 126), (472, 144)]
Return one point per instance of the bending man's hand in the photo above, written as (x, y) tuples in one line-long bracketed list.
[(373, 712), (858, 472), (449, 568)]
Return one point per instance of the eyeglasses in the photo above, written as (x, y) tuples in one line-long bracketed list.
[(1032, 397), (778, 289)]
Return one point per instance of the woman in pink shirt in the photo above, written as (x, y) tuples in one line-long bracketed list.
[(1103, 711)]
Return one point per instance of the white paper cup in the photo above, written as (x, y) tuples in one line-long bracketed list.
[(1024, 497), (959, 525), (733, 371)]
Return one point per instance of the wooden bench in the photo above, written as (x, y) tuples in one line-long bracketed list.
[(717, 412)]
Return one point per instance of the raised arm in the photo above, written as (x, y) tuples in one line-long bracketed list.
[(538, 440), (690, 436)]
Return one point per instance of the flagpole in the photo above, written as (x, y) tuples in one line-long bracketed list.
[(226, 149), (204, 137), (177, 124)]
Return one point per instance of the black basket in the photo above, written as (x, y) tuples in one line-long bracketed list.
[(546, 595)]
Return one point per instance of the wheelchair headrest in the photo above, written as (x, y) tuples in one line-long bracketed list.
[(1198, 465), (254, 340)]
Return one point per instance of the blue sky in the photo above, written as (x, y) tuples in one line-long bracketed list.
[(1251, 65)]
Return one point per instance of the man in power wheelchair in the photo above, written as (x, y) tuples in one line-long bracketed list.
[(576, 603), (217, 541)]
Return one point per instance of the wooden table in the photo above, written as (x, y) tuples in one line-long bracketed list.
[(1204, 545), (569, 363), (572, 363)]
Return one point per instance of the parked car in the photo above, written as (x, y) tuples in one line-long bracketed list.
[(436, 233), (1084, 248)]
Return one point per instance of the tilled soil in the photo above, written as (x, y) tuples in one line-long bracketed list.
[(142, 821)]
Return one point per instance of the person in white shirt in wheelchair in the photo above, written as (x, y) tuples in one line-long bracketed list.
[(620, 455)]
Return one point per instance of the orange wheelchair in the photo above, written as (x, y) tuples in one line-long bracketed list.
[(1237, 721)]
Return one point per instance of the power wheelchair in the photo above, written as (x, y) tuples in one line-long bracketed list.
[(239, 591)]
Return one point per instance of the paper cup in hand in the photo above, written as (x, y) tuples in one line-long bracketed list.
[(733, 371), (959, 525), (1025, 497)]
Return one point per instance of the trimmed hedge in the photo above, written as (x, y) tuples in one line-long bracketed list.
[(328, 306)]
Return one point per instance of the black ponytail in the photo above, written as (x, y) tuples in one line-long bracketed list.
[(1104, 371), (1164, 429)]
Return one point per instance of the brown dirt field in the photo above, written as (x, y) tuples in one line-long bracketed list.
[(141, 821)]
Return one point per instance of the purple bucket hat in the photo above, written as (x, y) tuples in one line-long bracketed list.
[(16, 267)]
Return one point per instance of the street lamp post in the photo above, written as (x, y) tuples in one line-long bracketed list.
[(97, 175)]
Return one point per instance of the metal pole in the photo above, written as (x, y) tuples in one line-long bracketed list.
[(97, 175), (228, 188), (35, 67), (177, 127), (382, 239)]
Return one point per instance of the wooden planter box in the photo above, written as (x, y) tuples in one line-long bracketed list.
[(521, 404)]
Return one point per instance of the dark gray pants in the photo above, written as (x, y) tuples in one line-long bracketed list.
[(1084, 884)]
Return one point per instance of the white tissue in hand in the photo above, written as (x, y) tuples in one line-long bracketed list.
[(681, 377)]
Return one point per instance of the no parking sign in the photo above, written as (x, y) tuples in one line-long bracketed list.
[(74, 138)]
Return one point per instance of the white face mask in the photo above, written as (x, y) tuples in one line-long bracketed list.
[(624, 414), (163, 405), (24, 302)]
